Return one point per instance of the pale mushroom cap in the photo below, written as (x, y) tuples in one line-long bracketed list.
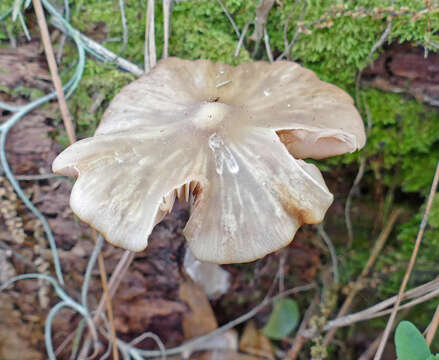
[(229, 135)]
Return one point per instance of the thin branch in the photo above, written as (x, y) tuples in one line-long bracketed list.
[(420, 294), (300, 340), (107, 296), (167, 10), (295, 37), (411, 264), (113, 284), (124, 26), (267, 45), (54, 70), (369, 58), (24, 26), (287, 23), (432, 328), (370, 351), (241, 39), (63, 39), (380, 42), (150, 58), (100, 51), (347, 208), (332, 251), (235, 27)]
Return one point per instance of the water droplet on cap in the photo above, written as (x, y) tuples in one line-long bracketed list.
[(222, 154)]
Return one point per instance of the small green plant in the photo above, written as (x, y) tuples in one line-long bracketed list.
[(283, 319), (410, 344)]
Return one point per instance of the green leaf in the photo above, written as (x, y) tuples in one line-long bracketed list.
[(410, 344), (283, 319)]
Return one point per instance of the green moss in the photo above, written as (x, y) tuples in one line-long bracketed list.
[(99, 84), (403, 140)]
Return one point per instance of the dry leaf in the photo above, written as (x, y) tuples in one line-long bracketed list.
[(254, 342), (16, 336), (137, 314), (25, 66), (7, 271), (200, 319)]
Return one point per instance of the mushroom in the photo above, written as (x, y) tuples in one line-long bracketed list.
[(233, 138)]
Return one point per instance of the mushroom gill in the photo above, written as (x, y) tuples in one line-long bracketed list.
[(186, 192)]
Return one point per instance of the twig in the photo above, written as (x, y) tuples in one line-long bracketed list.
[(370, 351), (332, 251), (358, 177), (124, 26), (432, 328), (410, 265), (368, 116), (380, 41), (368, 354), (167, 10), (65, 342), (374, 48), (241, 39), (235, 27), (420, 294), (62, 41), (300, 340), (267, 45), (379, 244), (287, 23), (281, 271), (150, 52), (24, 26), (54, 70), (117, 276), (295, 37), (100, 51), (107, 301), (347, 208), (113, 284)]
